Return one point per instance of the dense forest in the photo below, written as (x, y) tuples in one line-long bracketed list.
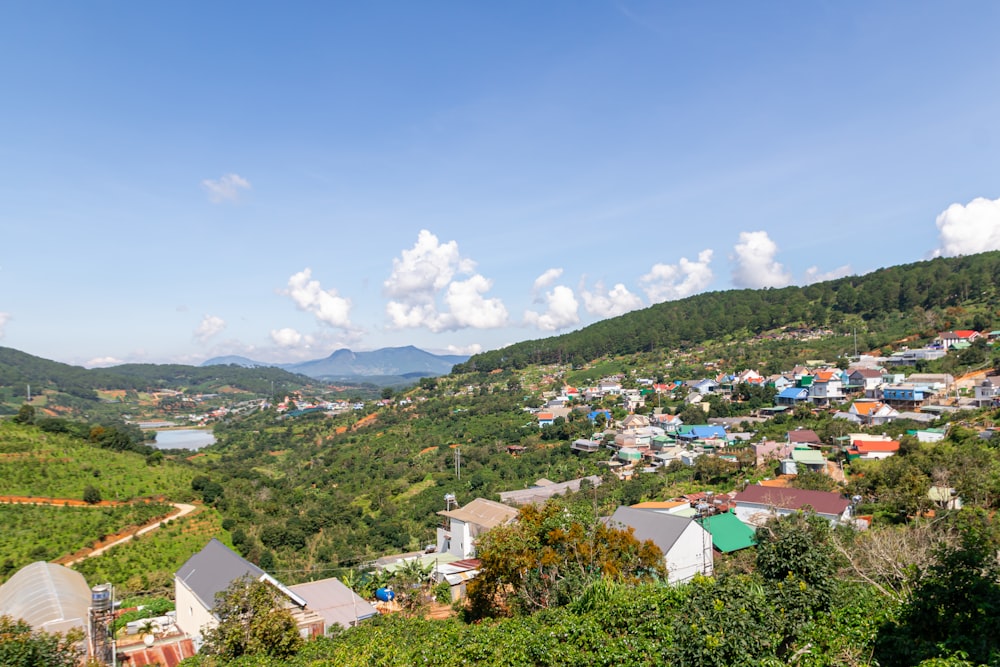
[(909, 298)]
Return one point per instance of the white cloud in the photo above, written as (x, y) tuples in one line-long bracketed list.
[(289, 337), (616, 301), (210, 326), (326, 305), (470, 309), (4, 319), (969, 229), (226, 188), (562, 310), (813, 274), (667, 282), (546, 279), (102, 362), (420, 274), (755, 265), (470, 349)]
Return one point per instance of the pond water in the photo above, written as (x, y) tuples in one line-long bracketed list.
[(184, 438)]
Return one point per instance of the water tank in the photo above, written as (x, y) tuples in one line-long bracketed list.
[(385, 595), (100, 597)]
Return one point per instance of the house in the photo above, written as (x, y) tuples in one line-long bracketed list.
[(545, 419), (864, 380), (792, 396), (464, 524), (210, 572), (668, 422), (539, 492), (634, 423), (337, 604), (803, 458), (705, 386), (770, 450), (756, 504), (701, 432), (803, 436), (686, 546), (869, 450), (950, 339), (633, 399), (906, 395), (873, 412), (911, 357), (988, 391), (827, 385)]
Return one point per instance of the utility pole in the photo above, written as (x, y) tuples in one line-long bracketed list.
[(458, 462)]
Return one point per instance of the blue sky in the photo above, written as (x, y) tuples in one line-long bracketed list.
[(183, 180)]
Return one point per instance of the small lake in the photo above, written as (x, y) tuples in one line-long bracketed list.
[(184, 438)]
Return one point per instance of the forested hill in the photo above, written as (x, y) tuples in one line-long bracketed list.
[(19, 369), (935, 293)]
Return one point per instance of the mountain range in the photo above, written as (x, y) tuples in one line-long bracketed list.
[(403, 362)]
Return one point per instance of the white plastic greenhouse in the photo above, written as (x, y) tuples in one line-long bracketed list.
[(49, 597)]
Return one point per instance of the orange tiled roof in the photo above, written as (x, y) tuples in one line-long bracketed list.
[(869, 446)]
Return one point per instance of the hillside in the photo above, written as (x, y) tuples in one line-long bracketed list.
[(19, 370), (900, 300)]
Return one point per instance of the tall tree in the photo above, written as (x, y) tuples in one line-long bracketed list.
[(252, 621)]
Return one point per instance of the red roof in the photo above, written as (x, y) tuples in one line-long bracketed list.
[(824, 502), (869, 446), (804, 435), (545, 415)]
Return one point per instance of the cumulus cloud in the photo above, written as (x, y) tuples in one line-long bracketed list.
[(425, 271), (226, 188), (326, 305), (610, 303), (755, 264), (969, 229), (547, 279), (210, 326), (102, 362), (667, 282), (289, 337), (814, 275), (562, 310), (4, 319)]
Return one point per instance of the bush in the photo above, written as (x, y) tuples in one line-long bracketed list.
[(91, 495)]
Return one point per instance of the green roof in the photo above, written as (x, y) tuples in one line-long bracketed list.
[(728, 533), (810, 457)]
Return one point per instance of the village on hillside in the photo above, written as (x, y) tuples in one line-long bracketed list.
[(632, 436)]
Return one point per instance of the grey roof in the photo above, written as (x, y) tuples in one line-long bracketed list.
[(663, 529), (540, 493), (49, 597), (212, 569), (334, 601)]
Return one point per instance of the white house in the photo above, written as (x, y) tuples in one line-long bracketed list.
[(210, 572), (686, 546), (464, 524)]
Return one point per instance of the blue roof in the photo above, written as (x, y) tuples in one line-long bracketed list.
[(797, 393), (708, 431)]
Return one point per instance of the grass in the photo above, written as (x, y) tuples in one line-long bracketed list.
[(39, 532), (147, 564), (54, 465)]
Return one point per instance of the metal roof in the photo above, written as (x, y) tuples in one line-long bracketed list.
[(211, 570), (729, 533), (335, 602)]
